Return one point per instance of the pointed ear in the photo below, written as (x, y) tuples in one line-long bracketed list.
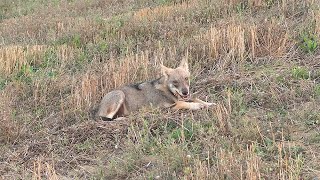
[(165, 71), (184, 63)]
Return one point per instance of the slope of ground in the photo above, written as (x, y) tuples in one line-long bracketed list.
[(257, 59)]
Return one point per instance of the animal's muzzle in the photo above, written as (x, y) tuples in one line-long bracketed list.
[(185, 91)]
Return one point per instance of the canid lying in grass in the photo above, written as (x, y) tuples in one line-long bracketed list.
[(170, 90)]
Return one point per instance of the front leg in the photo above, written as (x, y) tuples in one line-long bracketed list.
[(189, 105), (194, 104), (202, 102)]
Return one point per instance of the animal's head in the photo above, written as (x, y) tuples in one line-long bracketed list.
[(177, 79)]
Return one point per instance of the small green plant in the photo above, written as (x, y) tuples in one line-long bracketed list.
[(83, 57), (315, 138), (103, 47), (238, 99), (282, 111), (312, 119), (281, 79), (187, 131), (309, 43), (25, 73), (100, 174), (50, 59), (300, 72), (270, 3), (296, 151), (317, 90), (4, 8), (115, 24), (76, 41), (266, 149), (241, 7), (270, 115), (85, 146), (52, 74), (3, 83), (164, 2)]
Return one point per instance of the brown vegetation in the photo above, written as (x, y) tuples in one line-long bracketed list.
[(257, 59)]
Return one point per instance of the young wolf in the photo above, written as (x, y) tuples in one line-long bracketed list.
[(170, 90)]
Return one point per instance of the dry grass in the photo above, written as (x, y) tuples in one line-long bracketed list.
[(257, 59)]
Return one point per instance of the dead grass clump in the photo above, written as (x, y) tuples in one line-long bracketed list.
[(250, 162), (13, 58), (86, 28), (31, 29), (272, 40), (56, 29), (62, 18), (290, 161), (164, 12), (9, 130), (130, 69), (242, 165), (223, 116), (228, 40), (238, 41), (66, 53), (43, 169), (87, 91), (317, 19)]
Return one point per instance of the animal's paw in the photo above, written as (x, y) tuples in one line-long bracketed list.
[(121, 119), (201, 106), (210, 104), (205, 105)]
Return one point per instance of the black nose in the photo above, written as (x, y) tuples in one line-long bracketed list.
[(185, 92)]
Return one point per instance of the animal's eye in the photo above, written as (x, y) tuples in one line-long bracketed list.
[(186, 78), (175, 82)]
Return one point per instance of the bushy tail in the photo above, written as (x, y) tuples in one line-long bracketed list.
[(93, 112)]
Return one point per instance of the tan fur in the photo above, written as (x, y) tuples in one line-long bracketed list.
[(170, 90)]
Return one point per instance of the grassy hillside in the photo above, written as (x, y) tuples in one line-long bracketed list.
[(259, 60)]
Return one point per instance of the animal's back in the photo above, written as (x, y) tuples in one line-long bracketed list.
[(144, 94)]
